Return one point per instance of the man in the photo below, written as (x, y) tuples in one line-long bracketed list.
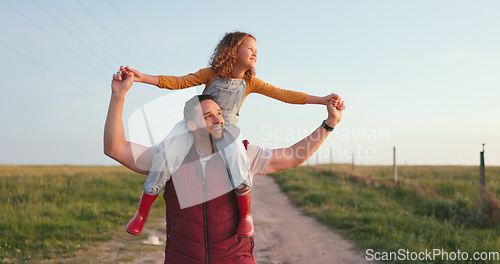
[(205, 230)]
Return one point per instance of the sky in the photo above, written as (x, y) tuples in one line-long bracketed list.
[(420, 76)]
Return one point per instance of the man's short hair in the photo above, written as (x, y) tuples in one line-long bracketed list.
[(192, 103)]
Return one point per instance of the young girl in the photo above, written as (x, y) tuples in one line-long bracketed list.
[(230, 78)]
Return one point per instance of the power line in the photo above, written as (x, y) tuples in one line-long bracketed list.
[(83, 32), (118, 43), (113, 7), (46, 68), (50, 35), (71, 33)]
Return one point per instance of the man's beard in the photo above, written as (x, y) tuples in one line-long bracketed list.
[(216, 132), (214, 136)]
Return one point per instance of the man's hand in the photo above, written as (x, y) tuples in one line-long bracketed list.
[(122, 81), (298, 153), (134, 156), (334, 112), (138, 76)]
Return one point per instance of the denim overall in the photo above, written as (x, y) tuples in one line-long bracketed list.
[(170, 153)]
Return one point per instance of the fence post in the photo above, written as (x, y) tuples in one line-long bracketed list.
[(352, 166), (394, 168), (482, 171)]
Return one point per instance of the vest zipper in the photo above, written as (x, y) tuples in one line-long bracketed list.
[(167, 248), (207, 260), (203, 183)]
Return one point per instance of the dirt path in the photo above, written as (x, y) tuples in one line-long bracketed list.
[(283, 235)]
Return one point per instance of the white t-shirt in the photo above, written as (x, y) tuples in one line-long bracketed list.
[(204, 161), (258, 159)]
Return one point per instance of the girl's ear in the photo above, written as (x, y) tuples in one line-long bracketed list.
[(191, 126)]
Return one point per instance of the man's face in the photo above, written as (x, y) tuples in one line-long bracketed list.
[(210, 119)]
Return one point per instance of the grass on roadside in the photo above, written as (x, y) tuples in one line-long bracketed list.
[(427, 213), (52, 211)]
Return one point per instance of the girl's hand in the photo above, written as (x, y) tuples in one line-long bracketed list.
[(335, 100), (325, 100), (138, 76), (122, 81)]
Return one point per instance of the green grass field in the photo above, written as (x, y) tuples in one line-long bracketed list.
[(434, 207), (50, 212)]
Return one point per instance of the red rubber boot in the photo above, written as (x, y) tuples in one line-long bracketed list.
[(135, 225), (245, 227)]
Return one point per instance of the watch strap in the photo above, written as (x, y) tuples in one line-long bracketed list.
[(327, 127)]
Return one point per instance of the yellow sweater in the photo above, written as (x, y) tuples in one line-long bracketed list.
[(255, 85)]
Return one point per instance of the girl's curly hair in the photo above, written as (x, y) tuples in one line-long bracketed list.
[(225, 54)]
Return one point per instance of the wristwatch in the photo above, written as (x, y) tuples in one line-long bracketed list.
[(327, 127)]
